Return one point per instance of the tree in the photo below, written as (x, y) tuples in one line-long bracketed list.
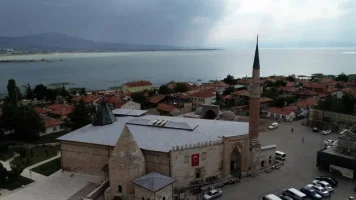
[(269, 83), (13, 92), (279, 101), (82, 91), (230, 80), (342, 77), (181, 87), (291, 78), (140, 98), (229, 90), (52, 94), (40, 92), (280, 83), (29, 124), (163, 89), (272, 93), (3, 174), (81, 116), (63, 92), (339, 86), (29, 94)]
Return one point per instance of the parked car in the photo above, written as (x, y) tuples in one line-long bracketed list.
[(320, 190), (311, 193), (343, 131), (326, 132), (333, 182), (315, 129), (324, 184), (285, 197), (274, 125), (212, 194), (329, 142)]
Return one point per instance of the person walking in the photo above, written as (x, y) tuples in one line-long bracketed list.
[(303, 139), (292, 130)]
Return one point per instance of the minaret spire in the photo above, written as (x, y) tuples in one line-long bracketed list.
[(256, 61)]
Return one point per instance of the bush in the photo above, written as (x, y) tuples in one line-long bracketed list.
[(22, 151)]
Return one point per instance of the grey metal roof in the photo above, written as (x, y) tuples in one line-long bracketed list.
[(103, 115), (153, 181), (158, 138), (128, 112)]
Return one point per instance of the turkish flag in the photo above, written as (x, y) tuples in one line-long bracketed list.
[(195, 159)]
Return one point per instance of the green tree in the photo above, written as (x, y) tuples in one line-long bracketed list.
[(52, 94), (13, 92), (342, 77), (348, 101), (181, 87), (272, 93), (3, 174), (29, 124), (81, 116), (339, 86), (291, 78), (229, 90), (230, 80), (29, 94), (280, 101), (280, 83), (40, 92), (163, 89), (269, 83), (140, 98), (82, 91)]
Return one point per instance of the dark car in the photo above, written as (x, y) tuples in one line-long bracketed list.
[(333, 182), (311, 193), (285, 197), (315, 129)]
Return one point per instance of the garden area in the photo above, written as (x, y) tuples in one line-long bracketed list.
[(15, 182), (48, 168)]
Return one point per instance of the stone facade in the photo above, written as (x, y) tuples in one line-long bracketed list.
[(242, 144), (157, 162), (165, 193), (267, 156), (210, 164), (84, 158)]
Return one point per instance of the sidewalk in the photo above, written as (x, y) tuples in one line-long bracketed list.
[(36, 176), (6, 163)]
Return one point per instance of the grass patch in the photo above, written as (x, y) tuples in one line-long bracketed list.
[(4, 156), (15, 183), (35, 155), (50, 138), (48, 168)]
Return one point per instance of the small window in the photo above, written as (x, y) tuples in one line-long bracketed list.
[(54, 128), (186, 159), (120, 188), (164, 198), (197, 173), (203, 156), (143, 198)]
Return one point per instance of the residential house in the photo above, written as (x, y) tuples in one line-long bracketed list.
[(136, 86), (165, 109), (304, 106), (288, 90), (42, 111), (316, 87), (63, 111), (241, 96), (88, 99), (155, 100), (305, 94), (203, 97), (180, 101), (265, 102), (286, 113), (219, 86), (129, 105), (351, 84), (52, 126)]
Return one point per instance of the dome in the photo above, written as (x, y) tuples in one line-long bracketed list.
[(198, 111), (227, 115)]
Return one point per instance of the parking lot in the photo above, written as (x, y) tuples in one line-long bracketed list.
[(299, 168)]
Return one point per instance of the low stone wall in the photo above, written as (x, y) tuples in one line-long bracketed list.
[(98, 191)]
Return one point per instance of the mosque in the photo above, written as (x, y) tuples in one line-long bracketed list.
[(152, 157)]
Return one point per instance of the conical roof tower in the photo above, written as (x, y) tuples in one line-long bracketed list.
[(103, 115)]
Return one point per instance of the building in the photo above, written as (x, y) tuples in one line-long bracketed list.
[(136, 86), (286, 114), (165, 109), (304, 105), (63, 112), (203, 97), (115, 102), (316, 87), (52, 126), (134, 150)]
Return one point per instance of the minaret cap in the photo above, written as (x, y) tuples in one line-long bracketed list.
[(256, 61)]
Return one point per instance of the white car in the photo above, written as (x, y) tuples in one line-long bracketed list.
[(323, 184), (274, 125), (326, 132), (212, 194), (329, 142), (319, 189), (343, 131)]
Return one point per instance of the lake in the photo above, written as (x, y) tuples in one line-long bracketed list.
[(104, 70)]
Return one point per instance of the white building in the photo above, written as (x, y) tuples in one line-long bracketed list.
[(286, 113), (203, 97), (52, 126)]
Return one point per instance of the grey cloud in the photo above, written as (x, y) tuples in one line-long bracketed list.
[(180, 22)]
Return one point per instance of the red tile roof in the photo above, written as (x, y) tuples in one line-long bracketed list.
[(138, 83), (351, 83), (329, 90), (220, 84), (241, 93), (306, 93), (41, 110), (314, 85), (305, 103), (282, 111), (165, 107), (204, 94), (50, 122), (290, 84), (322, 95), (55, 106), (87, 98), (265, 99), (156, 99), (63, 111), (119, 105), (110, 100), (229, 96), (349, 90), (286, 89)]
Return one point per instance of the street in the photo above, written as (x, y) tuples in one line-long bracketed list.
[(299, 168)]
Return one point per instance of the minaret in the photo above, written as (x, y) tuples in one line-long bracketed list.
[(254, 90)]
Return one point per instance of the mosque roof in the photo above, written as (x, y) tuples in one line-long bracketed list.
[(159, 133), (153, 181)]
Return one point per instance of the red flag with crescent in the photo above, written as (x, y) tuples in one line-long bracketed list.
[(195, 159)]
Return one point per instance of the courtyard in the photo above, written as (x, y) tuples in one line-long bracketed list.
[(299, 168)]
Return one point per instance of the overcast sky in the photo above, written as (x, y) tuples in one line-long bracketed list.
[(215, 23)]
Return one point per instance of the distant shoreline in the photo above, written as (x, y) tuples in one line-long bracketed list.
[(32, 60)]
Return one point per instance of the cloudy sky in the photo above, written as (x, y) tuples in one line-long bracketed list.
[(205, 23)]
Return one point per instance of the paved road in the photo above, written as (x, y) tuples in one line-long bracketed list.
[(299, 168)]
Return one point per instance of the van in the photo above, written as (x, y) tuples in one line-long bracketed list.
[(270, 197), (295, 194), (280, 155)]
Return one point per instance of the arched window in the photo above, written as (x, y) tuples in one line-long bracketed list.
[(164, 198), (119, 188), (143, 198), (270, 160)]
